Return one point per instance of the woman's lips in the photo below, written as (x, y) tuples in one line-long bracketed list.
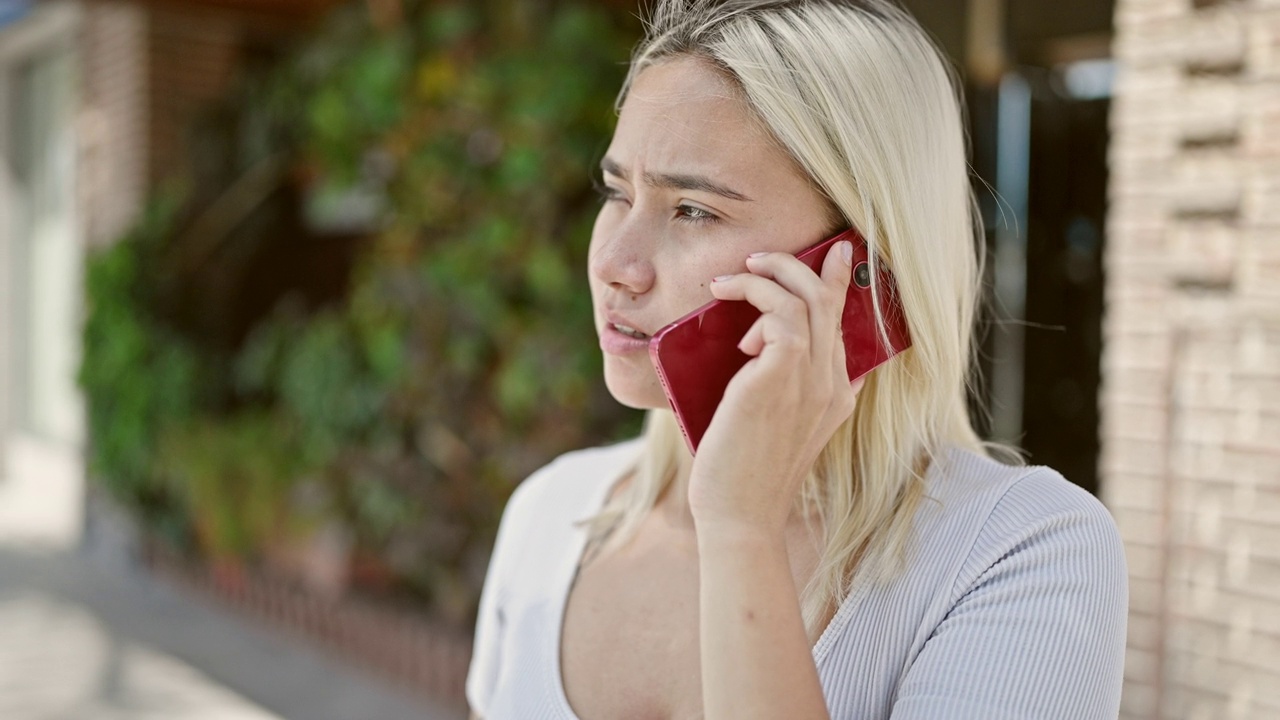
[(616, 343)]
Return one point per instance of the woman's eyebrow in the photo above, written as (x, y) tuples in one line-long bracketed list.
[(679, 181)]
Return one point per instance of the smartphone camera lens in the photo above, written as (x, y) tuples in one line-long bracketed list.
[(862, 275)]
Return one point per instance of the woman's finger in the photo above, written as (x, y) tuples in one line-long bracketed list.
[(753, 342), (837, 272), (824, 295), (769, 329), (798, 279), (766, 296)]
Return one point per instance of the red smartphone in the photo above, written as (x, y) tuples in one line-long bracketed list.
[(697, 355)]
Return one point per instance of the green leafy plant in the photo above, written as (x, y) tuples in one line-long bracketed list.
[(463, 353), (235, 477), (139, 375)]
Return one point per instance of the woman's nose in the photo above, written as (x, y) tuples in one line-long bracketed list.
[(621, 261)]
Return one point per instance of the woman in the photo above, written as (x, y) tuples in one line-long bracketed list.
[(831, 551)]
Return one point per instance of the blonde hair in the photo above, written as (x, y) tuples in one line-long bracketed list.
[(865, 103)]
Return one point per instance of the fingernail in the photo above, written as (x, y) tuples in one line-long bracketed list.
[(756, 255), (721, 278), (846, 252)]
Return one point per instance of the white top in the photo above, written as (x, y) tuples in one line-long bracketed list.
[(1015, 605)]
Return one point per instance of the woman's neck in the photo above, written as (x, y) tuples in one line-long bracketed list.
[(673, 504)]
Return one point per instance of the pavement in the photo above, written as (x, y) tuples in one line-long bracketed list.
[(77, 642), (87, 633)]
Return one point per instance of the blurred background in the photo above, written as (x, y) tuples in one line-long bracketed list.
[(292, 295)]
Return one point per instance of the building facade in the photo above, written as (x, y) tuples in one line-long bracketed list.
[(96, 101), (1190, 394), (41, 258)]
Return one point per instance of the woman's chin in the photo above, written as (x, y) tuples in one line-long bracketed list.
[(638, 400), (633, 392)]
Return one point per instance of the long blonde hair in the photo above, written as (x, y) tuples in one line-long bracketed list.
[(865, 103)]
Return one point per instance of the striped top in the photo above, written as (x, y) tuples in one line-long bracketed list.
[(1014, 605)]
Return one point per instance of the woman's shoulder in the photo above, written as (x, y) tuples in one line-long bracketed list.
[(987, 509), (975, 483), (572, 483), (540, 521), (1016, 600)]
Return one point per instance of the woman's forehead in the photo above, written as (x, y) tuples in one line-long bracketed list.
[(682, 113), (682, 79)]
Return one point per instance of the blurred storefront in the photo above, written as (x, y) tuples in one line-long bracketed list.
[(97, 100)]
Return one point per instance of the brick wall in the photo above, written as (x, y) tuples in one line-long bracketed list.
[(1191, 364), (193, 59), (113, 118), (150, 70)]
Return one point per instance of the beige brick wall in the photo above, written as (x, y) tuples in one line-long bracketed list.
[(1191, 366)]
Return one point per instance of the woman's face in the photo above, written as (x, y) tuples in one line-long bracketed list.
[(693, 186)]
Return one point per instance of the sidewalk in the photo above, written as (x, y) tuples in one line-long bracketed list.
[(80, 643)]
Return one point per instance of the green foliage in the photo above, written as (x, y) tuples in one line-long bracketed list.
[(464, 354), (321, 380), (236, 477), (139, 375)]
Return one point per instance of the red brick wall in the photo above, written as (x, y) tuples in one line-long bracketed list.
[(1191, 364), (192, 56), (113, 118), (149, 71)]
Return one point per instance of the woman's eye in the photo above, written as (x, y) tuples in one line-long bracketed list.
[(607, 193), (684, 213), (691, 214)]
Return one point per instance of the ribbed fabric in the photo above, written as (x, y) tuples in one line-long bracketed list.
[(1014, 605)]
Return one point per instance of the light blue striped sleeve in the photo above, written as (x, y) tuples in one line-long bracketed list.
[(1037, 622)]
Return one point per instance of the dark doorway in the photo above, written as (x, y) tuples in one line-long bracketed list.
[(1060, 227), (1067, 193)]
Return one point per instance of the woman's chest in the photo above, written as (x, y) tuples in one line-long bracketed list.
[(629, 647)]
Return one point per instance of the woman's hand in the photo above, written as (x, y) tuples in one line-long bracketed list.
[(784, 405), (777, 414)]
